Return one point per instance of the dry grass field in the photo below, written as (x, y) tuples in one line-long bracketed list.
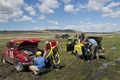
[(71, 67)]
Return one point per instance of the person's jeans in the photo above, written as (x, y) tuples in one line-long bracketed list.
[(94, 51)]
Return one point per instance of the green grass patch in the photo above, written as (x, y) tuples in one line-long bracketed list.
[(71, 67)]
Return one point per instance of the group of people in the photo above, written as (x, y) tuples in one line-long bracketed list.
[(89, 49), (50, 58)]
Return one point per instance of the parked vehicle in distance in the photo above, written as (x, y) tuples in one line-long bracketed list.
[(21, 52), (64, 36)]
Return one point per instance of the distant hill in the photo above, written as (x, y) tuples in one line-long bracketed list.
[(52, 30), (14, 32), (36, 31), (60, 30)]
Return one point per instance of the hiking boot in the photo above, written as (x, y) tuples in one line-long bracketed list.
[(57, 69), (34, 75)]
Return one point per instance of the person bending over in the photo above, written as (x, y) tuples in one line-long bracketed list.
[(51, 54)]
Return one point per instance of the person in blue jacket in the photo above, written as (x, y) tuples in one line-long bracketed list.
[(39, 63)]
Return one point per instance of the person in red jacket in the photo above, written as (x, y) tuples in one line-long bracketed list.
[(51, 53)]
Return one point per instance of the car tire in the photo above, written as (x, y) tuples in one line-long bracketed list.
[(3, 59), (18, 65)]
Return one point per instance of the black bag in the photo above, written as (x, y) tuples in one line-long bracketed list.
[(47, 63)]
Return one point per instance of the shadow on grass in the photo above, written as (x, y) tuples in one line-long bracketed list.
[(62, 66), (102, 57), (47, 70)]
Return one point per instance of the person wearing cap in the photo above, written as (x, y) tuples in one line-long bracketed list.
[(51, 53), (39, 63)]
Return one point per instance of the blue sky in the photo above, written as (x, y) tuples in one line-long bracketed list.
[(79, 15)]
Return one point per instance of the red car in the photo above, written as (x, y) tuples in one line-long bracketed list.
[(20, 52)]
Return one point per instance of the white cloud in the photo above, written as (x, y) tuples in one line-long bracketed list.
[(30, 9), (95, 27), (47, 6), (111, 9), (113, 4), (106, 10), (74, 8), (10, 9), (52, 22), (87, 27), (42, 17), (69, 8), (46, 27), (66, 1), (24, 18), (112, 15), (73, 27), (96, 5)]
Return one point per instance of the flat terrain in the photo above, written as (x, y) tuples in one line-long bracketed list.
[(106, 68)]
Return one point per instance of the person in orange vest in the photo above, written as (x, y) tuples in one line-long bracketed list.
[(51, 53)]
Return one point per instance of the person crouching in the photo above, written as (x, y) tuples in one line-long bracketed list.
[(39, 64)]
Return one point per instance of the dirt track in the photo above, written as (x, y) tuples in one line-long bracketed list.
[(7, 72)]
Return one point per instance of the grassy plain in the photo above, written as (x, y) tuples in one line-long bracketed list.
[(71, 67)]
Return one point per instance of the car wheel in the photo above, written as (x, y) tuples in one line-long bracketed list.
[(3, 59), (18, 65)]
